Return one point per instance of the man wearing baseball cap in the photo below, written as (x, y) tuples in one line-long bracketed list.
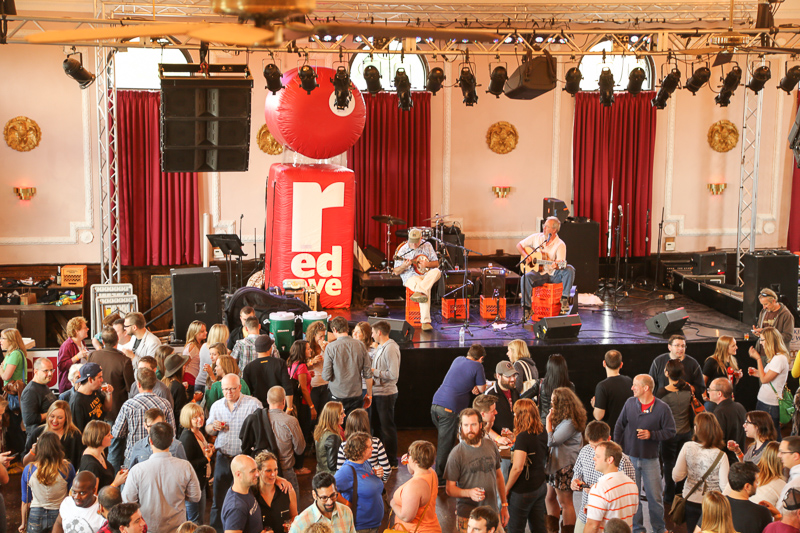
[(267, 372), (773, 314), (417, 264), (790, 518), (505, 389), (89, 402)]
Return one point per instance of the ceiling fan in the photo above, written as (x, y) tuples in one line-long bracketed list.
[(262, 23)]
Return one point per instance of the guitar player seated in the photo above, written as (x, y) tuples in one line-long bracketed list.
[(416, 263), (548, 264)]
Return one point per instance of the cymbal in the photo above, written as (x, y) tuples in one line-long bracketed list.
[(437, 218), (388, 219)]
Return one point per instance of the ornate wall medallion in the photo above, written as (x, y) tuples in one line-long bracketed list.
[(22, 134), (502, 137), (267, 142), (723, 136)]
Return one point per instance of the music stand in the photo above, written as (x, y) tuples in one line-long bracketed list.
[(229, 244)]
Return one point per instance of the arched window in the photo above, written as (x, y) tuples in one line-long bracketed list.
[(619, 64), (137, 68), (387, 65)]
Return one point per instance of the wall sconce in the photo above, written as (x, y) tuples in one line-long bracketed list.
[(717, 188), (501, 192), (25, 193)]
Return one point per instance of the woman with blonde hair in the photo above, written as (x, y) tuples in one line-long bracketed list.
[(14, 368), (58, 421), (770, 476), (45, 484), (564, 424), (328, 436), (720, 363), (72, 350), (526, 489), (195, 337), (218, 333), (716, 514), (772, 376), (214, 352), (225, 365), (526, 369), (414, 502), (696, 457), (317, 337), (198, 453)]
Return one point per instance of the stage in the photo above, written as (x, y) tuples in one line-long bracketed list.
[(426, 359)]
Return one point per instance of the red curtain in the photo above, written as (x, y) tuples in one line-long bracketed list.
[(158, 211), (392, 165), (615, 145), (793, 241)]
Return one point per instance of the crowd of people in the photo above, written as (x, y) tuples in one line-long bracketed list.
[(144, 438)]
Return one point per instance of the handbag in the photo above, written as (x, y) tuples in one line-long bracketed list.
[(785, 404), (697, 407), (677, 512), (402, 528)]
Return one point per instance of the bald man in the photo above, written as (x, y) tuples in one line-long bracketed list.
[(240, 512), (79, 511)]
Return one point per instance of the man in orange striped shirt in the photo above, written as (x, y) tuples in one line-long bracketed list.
[(615, 495)]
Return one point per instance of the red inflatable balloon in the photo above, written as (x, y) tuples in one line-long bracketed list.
[(310, 124)]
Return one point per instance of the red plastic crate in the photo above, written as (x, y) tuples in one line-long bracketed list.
[(549, 293), (542, 311), (412, 310), (455, 308), (489, 307)]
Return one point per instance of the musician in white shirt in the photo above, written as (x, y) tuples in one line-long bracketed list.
[(417, 264), (553, 263)]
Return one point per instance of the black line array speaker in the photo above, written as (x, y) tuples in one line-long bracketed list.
[(583, 246), (205, 124), (558, 327), (668, 322), (769, 269), (401, 331), (196, 295)]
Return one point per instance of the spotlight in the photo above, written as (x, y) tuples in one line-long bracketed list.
[(635, 79), (308, 78), (341, 87), (699, 78), (761, 76), (403, 87), (668, 86), (606, 83), (789, 81), (373, 78), (435, 79), (498, 80), (729, 87), (573, 85), (467, 83), (273, 76), (74, 69)]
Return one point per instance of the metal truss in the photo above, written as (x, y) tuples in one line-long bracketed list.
[(748, 176)]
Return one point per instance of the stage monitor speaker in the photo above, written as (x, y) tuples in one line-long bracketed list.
[(401, 331), (668, 322), (769, 269), (196, 295), (583, 248), (708, 263), (205, 124), (558, 327), (553, 207)]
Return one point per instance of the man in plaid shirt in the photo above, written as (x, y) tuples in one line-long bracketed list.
[(584, 473), (245, 350)]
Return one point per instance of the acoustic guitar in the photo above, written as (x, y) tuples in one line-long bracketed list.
[(538, 263)]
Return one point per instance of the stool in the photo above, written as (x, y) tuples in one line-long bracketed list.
[(454, 309), (412, 310)]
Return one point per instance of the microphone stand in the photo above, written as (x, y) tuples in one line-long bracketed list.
[(658, 253), (627, 247), (463, 288), (617, 259)]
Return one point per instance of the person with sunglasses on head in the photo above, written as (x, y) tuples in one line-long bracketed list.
[(773, 314), (37, 396)]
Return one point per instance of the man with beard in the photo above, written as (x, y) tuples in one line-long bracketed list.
[(325, 508), (473, 472), (505, 388)]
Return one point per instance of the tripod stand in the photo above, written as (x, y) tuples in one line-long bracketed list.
[(463, 288)]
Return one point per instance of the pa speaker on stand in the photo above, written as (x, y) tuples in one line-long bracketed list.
[(195, 296)]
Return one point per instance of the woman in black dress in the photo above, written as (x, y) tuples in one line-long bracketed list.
[(275, 496), (96, 438), (198, 453), (173, 379)]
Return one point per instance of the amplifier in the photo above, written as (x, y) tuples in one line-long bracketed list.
[(493, 281)]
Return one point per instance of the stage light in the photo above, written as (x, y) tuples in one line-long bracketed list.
[(668, 86), (341, 88), (308, 78), (789, 82), (403, 87), (467, 83), (606, 83), (729, 87), (373, 78), (573, 84), (435, 79), (74, 69), (273, 76), (635, 80), (760, 77), (698, 78), (498, 80)]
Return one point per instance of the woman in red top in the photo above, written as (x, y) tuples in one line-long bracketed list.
[(72, 351), (299, 354)]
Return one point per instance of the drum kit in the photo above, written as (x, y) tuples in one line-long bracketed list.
[(434, 234)]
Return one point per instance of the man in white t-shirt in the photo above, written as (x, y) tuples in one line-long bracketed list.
[(79, 511), (554, 266), (615, 495)]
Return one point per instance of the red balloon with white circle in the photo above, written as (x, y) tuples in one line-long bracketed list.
[(310, 124)]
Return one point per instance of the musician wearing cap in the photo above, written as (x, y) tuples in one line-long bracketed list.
[(547, 263), (417, 264)]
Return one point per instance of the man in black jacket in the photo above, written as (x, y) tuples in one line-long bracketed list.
[(731, 415), (692, 373)]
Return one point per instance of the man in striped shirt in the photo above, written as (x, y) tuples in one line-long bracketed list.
[(615, 495)]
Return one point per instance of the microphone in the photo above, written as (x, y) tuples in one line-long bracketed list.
[(620, 210)]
